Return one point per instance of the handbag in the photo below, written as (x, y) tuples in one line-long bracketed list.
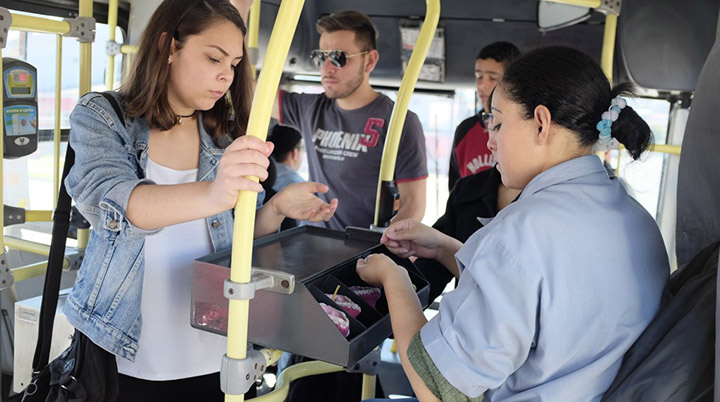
[(84, 372)]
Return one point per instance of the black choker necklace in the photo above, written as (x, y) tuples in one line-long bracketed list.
[(180, 117)]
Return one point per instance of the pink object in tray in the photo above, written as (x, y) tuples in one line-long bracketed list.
[(370, 294), (346, 304), (338, 318)]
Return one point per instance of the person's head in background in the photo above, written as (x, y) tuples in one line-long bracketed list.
[(191, 57), (551, 106), (490, 65), (348, 53), (288, 146)]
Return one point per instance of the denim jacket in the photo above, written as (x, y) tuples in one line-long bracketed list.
[(110, 161)]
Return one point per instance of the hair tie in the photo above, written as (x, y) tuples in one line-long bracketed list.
[(604, 126)]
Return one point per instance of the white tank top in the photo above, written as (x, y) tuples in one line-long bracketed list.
[(169, 348)]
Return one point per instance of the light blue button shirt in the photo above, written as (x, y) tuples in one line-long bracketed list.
[(553, 291)]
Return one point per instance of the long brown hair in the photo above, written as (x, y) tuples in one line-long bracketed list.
[(147, 85)]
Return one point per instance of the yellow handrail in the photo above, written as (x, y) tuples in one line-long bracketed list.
[(85, 86), (56, 127), (407, 86), (33, 270), (112, 25), (608, 49), (39, 24), (662, 148), (583, 3), (293, 373), (27, 245), (128, 49), (277, 50), (38, 216)]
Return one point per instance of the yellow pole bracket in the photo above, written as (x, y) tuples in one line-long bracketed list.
[(278, 47), (407, 86)]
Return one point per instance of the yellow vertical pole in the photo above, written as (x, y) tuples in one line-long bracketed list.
[(608, 49), (253, 27), (606, 63), (58, 109), (85, 84), (278, 47), (112, 25), (368, 386), (407, 86)]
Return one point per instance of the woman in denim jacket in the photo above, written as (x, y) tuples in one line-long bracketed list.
[(159, 192)]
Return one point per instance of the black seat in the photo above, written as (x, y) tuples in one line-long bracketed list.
[(673, 359)]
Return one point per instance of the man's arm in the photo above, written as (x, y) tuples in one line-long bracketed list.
[(243, 7), (412, 199), (275, 114)]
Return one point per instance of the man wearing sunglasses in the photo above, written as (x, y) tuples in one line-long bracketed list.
[(470, 153), (345, 127)]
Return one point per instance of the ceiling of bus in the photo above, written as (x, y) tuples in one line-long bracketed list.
[(468, 25), (662, 44)]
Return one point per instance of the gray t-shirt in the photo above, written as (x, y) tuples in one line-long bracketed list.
[(345, 150)]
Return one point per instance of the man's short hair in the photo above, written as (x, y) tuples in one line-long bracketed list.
[(365, 32), (502, 52)]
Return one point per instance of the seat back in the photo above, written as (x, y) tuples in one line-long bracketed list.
[(698, 197)]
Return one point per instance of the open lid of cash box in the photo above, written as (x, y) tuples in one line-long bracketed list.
[(321, 260)]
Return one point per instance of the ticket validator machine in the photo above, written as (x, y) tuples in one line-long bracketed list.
[(20, 128)]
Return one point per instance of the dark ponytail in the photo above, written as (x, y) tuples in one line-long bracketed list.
[(576, 91), (630, 129)]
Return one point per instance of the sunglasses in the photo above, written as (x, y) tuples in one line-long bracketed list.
[(337, 57)]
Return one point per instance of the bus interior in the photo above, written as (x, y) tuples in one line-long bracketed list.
[(667, 49)]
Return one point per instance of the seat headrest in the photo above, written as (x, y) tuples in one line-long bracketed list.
[(664, 43)]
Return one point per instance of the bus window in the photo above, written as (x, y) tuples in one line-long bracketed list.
[(439, 113), (28, 181), (644, 176)]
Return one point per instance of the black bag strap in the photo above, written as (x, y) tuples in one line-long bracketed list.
[(61, 224)]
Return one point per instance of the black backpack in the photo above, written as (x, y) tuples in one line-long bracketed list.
[(674, 359)]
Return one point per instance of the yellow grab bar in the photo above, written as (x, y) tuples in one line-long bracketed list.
[(38, 216), (407, 86), (277, 51), (293, 373), (583, 3), (56, 126), (608, 49), (38, 24), (128, 49), (85, 83), (33, 270), (112, 24)]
